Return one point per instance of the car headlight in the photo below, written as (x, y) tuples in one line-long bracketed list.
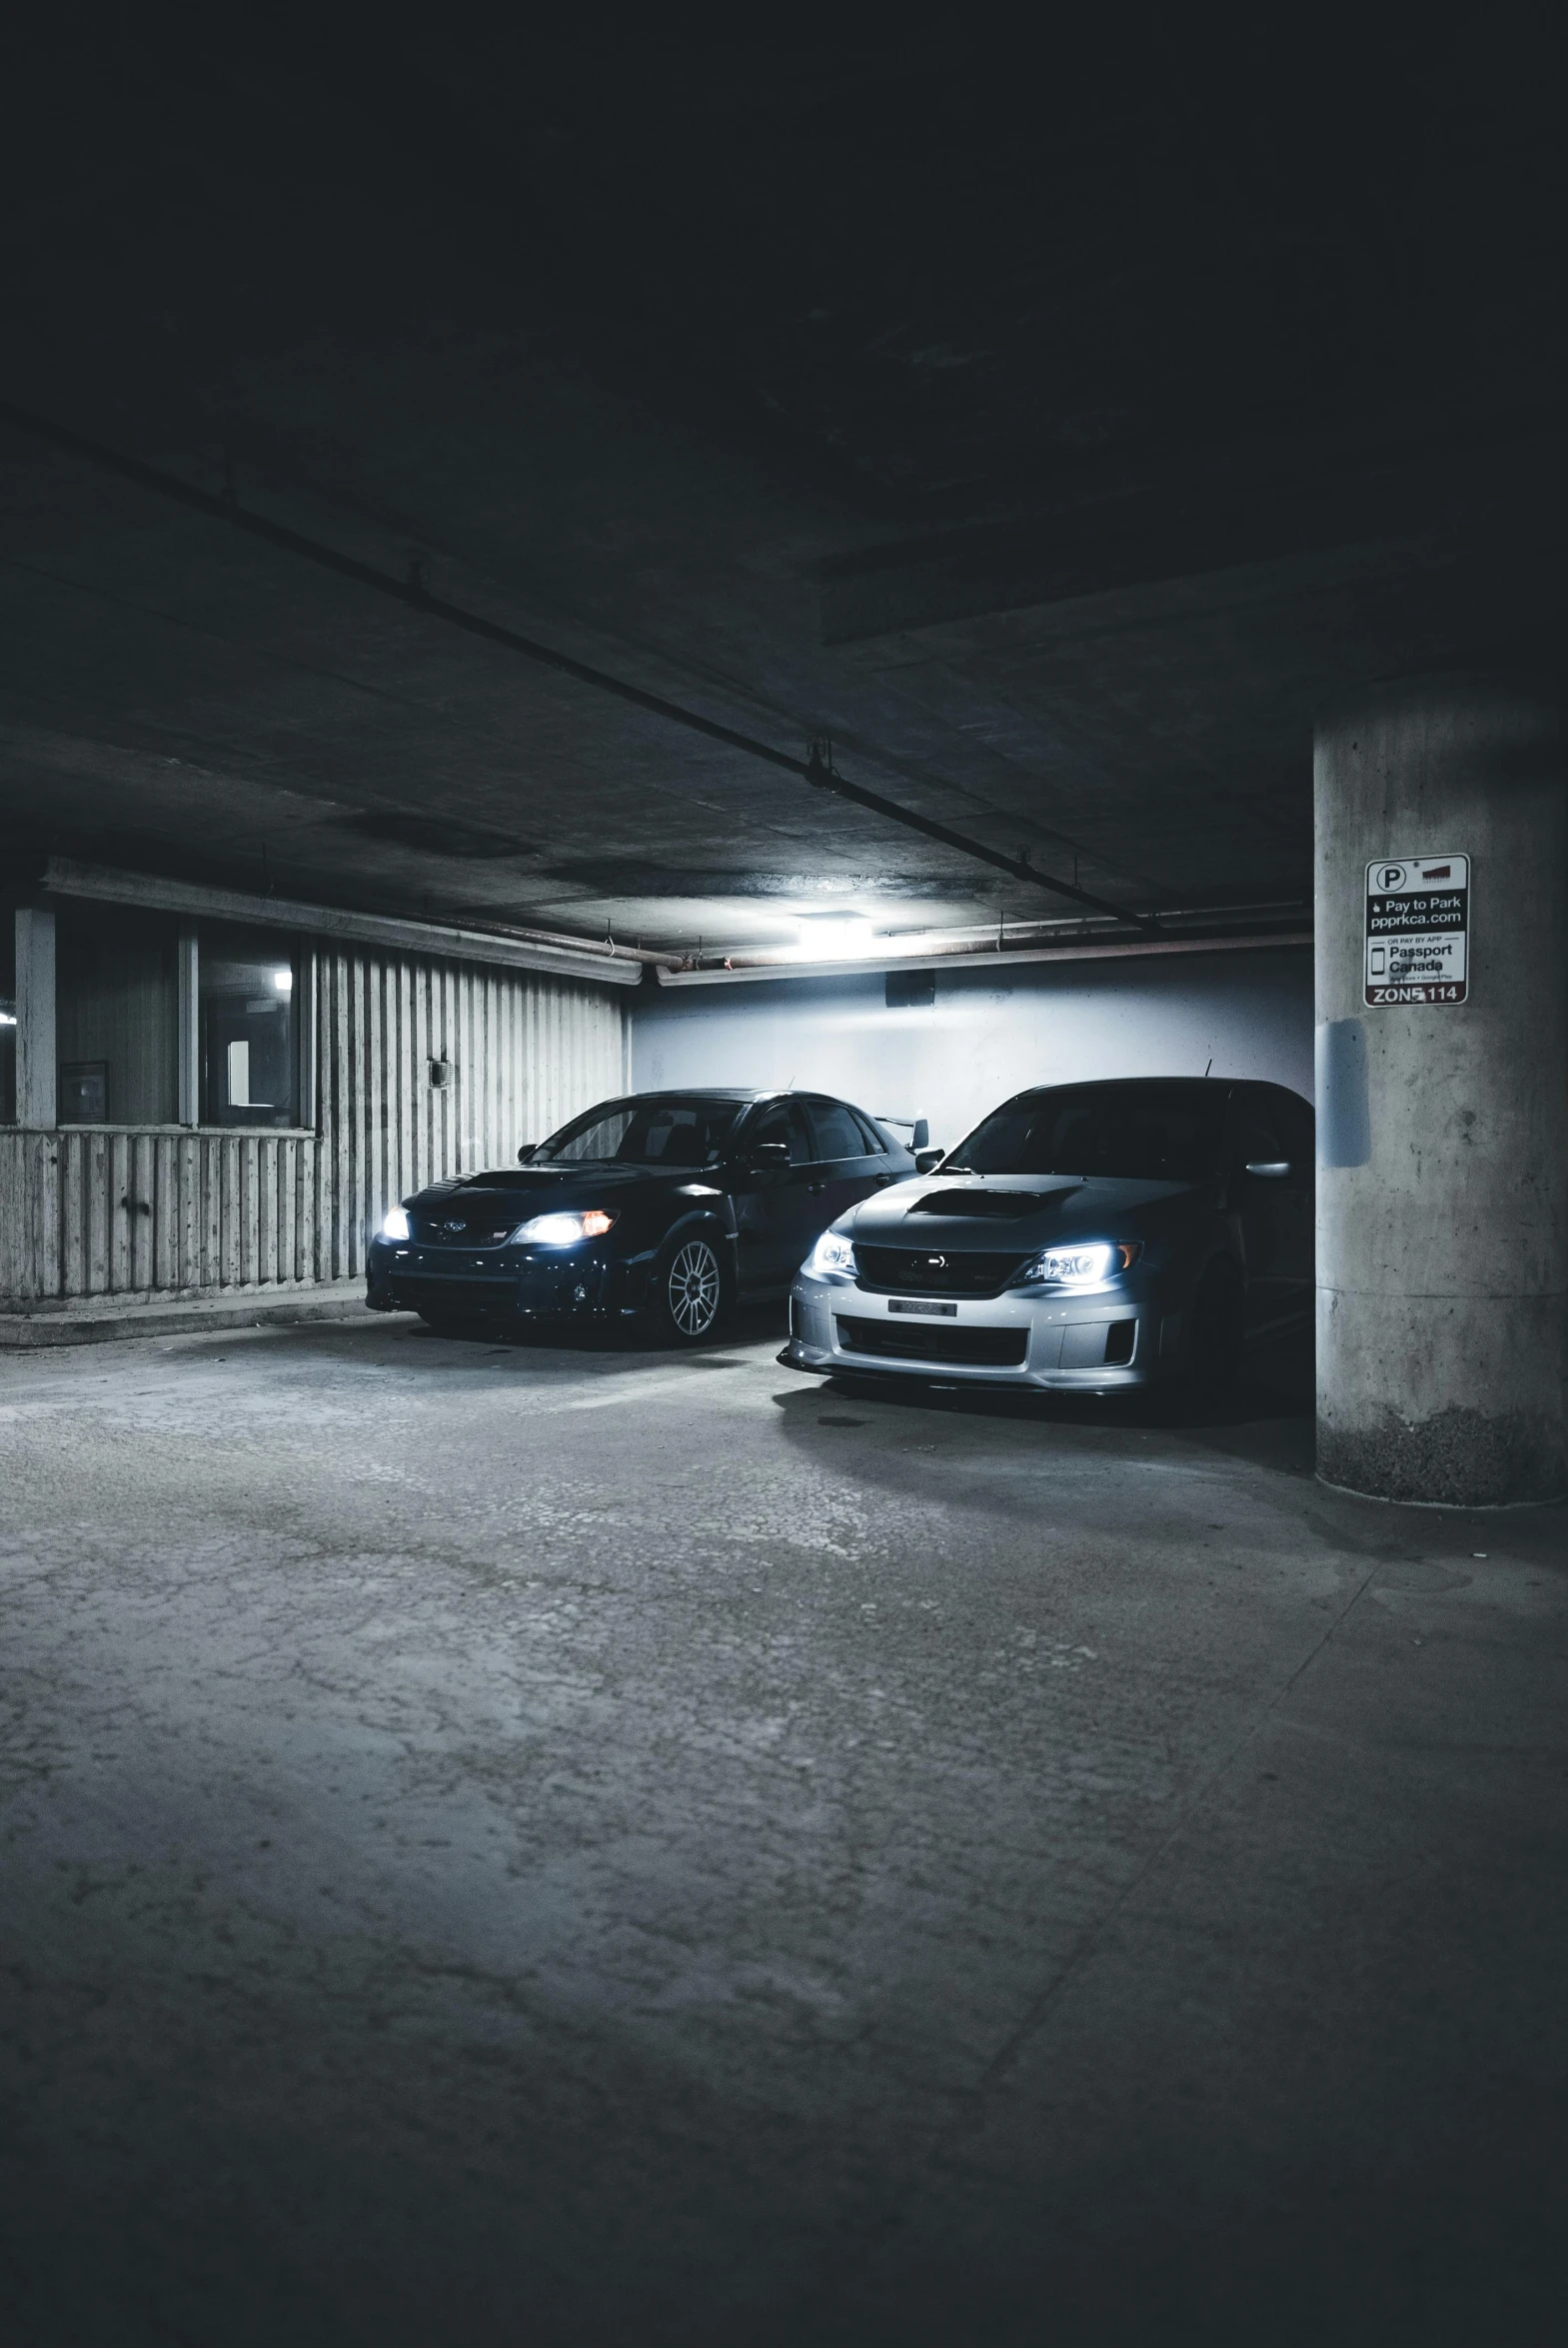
[(564, 1231), (395, 1225), (833, 1252), (1090, 1266)]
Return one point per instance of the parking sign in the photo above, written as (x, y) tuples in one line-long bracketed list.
[(1418, 928)]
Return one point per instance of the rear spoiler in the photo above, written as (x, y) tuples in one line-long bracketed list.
[(918, 1128)]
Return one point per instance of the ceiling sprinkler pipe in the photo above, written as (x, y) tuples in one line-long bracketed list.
[(820, 770)]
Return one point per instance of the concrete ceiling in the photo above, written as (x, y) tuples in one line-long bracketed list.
[(1051, 426)]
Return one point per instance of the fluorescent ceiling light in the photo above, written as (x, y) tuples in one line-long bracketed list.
[(836, 939)]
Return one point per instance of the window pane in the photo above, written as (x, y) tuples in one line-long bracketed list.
[(659, 1129), (1257, 1137), (783, 1123), (117, 1009), (592, 1137), (875, 1146), (837, 1134), (250, 1067), (1145, 1131), (1295, 1123)]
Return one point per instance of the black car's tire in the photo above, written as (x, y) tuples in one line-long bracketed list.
[(1218, 1330), (689, 1292)]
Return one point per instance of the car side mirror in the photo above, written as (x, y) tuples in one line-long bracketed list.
[(926, 1159), (1269, 1170), (769, 1157), (527, 1151)]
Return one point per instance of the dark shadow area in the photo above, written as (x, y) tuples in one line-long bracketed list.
[(627, 1340), (1265, 1421), (1275, 1389), (1276, 1426)]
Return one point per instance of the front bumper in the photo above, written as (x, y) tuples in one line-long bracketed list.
[(1110, 1339), (504, 1284)]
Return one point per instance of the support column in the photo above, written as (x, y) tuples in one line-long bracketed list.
[(189, 1069), (36, 1058), (1442, 1194), (304, 1028)]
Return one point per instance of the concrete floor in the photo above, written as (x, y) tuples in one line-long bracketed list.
[(560, 1844)]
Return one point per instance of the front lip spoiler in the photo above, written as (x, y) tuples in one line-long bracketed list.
[(962, 1376)]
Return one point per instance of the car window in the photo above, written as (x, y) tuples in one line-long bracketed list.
[(836, 1130), (657, 1129), (785, 1124), (875, 1146), (1298, 1125), (1257, 1136), (1144, 1132)]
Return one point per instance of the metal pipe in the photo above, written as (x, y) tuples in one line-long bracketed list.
[(874, 966)]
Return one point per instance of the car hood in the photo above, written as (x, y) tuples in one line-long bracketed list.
[(526, 1191), (998, 1212)]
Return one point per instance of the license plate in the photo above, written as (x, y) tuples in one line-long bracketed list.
[(908, 1304)]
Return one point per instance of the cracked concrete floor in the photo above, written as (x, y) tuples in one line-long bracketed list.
[(554, 1844)]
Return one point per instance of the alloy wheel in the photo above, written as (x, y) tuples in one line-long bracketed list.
[(693, 1288)]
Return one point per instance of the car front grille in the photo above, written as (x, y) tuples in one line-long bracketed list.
[(988, 1348), (431, 1234), (930, 1271)]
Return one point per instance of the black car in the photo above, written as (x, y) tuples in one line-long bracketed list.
[(664, 1207), (1092, 1235)]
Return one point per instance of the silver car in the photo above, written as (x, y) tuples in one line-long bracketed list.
[(1087, 1236)]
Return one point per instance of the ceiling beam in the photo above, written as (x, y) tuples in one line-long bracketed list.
[(412, 591), (610, 967)]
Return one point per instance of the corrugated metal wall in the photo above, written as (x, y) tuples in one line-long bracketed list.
[(103, 1213), (92, 1212), (525, 1053)]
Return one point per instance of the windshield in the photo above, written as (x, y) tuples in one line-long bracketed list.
[(662, 1129), (1145, 1133)]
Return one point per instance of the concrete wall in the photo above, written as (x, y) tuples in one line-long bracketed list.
[(987, 1035)]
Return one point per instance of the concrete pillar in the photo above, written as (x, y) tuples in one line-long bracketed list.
[(35, 1018), (1442, 1194)]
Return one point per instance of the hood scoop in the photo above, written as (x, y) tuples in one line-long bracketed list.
[(992, 1205)]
